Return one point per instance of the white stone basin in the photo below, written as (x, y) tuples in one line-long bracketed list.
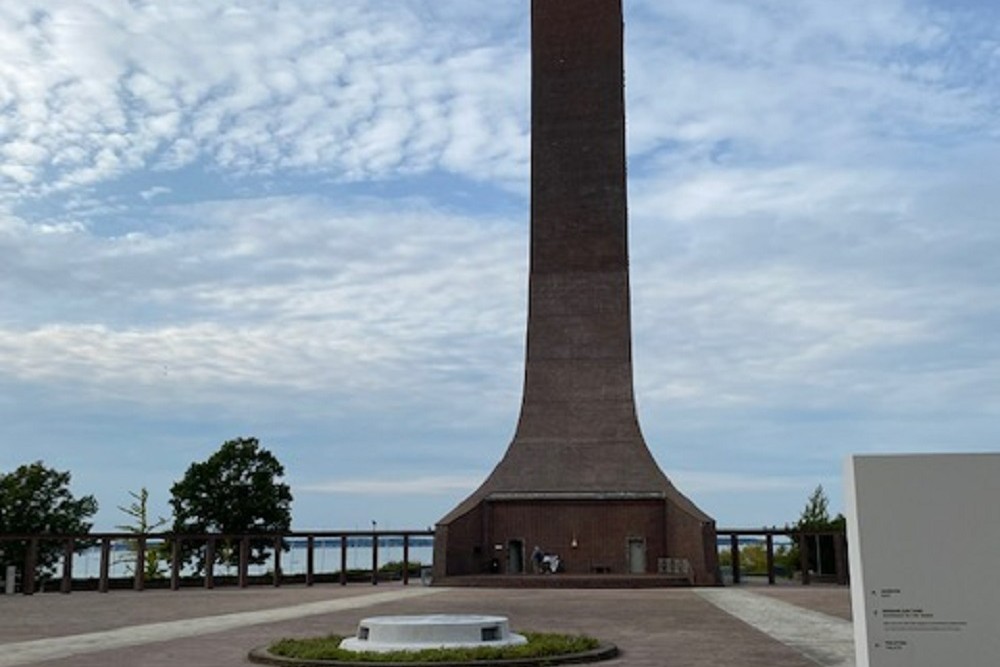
[(413, 633)]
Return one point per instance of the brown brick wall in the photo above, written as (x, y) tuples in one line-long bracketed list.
[(690, 538), (458, 546), (601, 529)]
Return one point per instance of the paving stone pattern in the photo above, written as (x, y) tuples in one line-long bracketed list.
[(672, 627)]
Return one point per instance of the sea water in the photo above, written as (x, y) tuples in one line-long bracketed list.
[(326, 558)]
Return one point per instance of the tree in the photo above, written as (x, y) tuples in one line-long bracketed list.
[(816, 514), (753, 558), (141, 525), (35, 500), (235, 492), (815, 517)]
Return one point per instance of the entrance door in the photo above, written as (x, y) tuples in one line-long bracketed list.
[(515, 557), (636, 555)]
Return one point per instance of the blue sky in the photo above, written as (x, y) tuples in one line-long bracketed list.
[(308, 222)]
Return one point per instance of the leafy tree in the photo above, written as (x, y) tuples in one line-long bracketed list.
[(35, 500), (235, 492), (815, 517), (141, 525), (394, 568), (753, 558)]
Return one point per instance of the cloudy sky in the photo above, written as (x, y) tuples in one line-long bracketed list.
[(307, 222)]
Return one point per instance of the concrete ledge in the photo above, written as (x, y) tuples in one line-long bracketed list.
[(566, 581)]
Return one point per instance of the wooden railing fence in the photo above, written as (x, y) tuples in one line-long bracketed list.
[(807, 542), (211, 541)]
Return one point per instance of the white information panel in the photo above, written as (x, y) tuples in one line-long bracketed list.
[(924, 549)]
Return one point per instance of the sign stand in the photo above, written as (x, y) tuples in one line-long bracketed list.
[(924, 536)]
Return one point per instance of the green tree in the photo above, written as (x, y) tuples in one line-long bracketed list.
[(815, 517), (141, 525), (35, 500), (753, 558), (816, 514), (235, 492)]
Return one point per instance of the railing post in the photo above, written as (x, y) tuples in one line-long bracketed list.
[(102, 585), (30, 563), (839, 555), (769, 538), (734, 554), (277, 561), (804, 558), (310, 559), (139, 582), (406, 559), (67, 570), (374, 558), (66, 585), (343, 560), (210, 563), (244, 561), (175, 564)]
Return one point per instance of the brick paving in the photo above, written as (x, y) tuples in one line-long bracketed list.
[(674, 627)]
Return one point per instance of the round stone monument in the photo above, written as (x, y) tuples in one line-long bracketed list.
[(416, 632)]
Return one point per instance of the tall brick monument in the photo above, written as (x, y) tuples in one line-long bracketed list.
[(577, 480)]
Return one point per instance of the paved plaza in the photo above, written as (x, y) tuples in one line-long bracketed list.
[(782, 626)]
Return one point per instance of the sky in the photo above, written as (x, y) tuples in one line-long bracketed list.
[(307, 222)]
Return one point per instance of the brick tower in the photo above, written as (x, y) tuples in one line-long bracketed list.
[(577, 479)]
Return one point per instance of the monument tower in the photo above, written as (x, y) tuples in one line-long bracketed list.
[(577, 479)]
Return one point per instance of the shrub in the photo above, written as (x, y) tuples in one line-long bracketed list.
[(539, 645)]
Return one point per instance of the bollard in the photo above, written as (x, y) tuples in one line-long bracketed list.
[(10, 580)]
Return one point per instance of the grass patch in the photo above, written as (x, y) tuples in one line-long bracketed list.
[(540, 645)]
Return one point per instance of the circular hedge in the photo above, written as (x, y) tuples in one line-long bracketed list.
[(541, 649)]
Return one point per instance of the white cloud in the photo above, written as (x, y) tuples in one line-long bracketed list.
[(695, 481), (444, 484), (18, 173), (355, 90), (746, 82), (332, 303), (342, 254), (24, 153), (156, 191), (803, 191)]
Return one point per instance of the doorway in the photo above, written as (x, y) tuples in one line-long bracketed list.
[(636, 555), (515, 557)]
